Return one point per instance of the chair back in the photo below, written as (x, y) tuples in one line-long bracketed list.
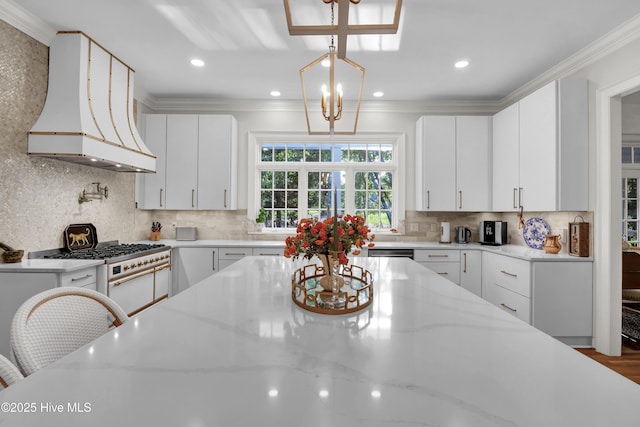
[(9, 373), (56, 322)]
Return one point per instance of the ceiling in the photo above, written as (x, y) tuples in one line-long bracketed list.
[(248, 51)]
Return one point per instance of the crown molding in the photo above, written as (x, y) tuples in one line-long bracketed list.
[(593, 52), (207, 105), (20, 18)]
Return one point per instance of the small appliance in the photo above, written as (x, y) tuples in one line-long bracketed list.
[(463, 235), (493, 232), (445, 232)]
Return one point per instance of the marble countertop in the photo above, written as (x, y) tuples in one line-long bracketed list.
[(515, 251), (49, 265), (234, 350)]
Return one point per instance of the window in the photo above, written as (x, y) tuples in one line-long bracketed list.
[(630, 206), (302, 176)]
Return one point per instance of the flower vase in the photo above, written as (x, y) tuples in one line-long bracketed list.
[(331, 281)]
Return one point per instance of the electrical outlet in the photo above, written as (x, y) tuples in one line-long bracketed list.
[(413, 227), (563, 238)]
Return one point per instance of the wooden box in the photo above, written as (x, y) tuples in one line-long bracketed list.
[(578, 239)]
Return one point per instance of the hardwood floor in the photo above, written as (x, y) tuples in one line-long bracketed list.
[(627, 365)]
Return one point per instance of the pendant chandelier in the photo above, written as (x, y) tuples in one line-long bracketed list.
[(335, 98)]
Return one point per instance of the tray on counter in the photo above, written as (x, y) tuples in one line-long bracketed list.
[(80, 237)]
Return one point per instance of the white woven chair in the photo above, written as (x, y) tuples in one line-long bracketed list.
[(58, 321), (9, 373)]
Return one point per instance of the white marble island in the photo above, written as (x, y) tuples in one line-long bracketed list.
[(235, 351)]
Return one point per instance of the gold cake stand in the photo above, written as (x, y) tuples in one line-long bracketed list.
[(355, 295)]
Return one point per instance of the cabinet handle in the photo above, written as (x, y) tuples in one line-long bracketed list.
[(213, 260), (225, 198), (508, 274), (460, 196), (444, 273), (261, 254), (515, 190), (161, 197), (464, 270), (520, 197), (86, 276), (236, 254), (437, 256), (193, 194), (428, 199), (507, 307)]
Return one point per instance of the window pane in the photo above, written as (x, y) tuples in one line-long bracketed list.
[(279, 180), (295, 153), (373, 154), (279, 153), (636, 155), (266, 153), (626, 154), (358, 153), (386, 153), (632, 188), (325, 153), (312, 153)]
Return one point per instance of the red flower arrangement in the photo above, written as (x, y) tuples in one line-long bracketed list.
[(314, 237)]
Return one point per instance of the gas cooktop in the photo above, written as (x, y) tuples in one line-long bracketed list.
[(108, 252)]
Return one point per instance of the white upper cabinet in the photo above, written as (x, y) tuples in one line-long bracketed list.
[(545, 138), (473, 163), (152, 186), (506, 152), (218, 155), (182, 161), (197, 158), (453, 157)]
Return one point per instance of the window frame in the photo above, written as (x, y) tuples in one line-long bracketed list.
[(396, 166)]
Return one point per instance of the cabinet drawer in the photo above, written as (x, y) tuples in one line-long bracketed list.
[(234, 253), (79, 278), (448, 270), (268, 251), (436, 255), (513, 274), (511, 302)]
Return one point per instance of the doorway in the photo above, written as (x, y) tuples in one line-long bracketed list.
[(608, 212)]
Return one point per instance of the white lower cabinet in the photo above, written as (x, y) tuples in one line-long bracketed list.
[(16, 288), (445, 262), (554, 296), (192, 265), (471, 271), (228, 256)]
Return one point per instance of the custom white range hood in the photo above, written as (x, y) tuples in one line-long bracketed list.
[(88, 114)]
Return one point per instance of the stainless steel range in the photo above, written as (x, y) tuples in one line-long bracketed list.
[(135, 275)]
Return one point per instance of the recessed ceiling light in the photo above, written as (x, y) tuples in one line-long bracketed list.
[(275, 93), (378, 94), (197, 62), (463, 63)]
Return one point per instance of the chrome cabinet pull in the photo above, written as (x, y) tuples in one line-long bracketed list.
[(193, 194), (213, 260), (460, 197), (75, 279), (507, 307), (465, 262), (444, 273), (235, 254), (261, 254), (225, 198), (428, 199), (508, 274), (520, 197), (161, 197), (515, 190), (437, 256)]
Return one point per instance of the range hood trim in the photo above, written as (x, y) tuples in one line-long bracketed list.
[(88, 115)]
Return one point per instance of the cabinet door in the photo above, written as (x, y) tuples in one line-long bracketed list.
[(471, 271), (473, 163), (194, 265), (217, 147), (153, 185), (538, 154), (182, 161), (506, 141), (435, 163)]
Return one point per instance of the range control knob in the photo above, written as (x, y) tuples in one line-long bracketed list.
[(133, 265), (126, 267)]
